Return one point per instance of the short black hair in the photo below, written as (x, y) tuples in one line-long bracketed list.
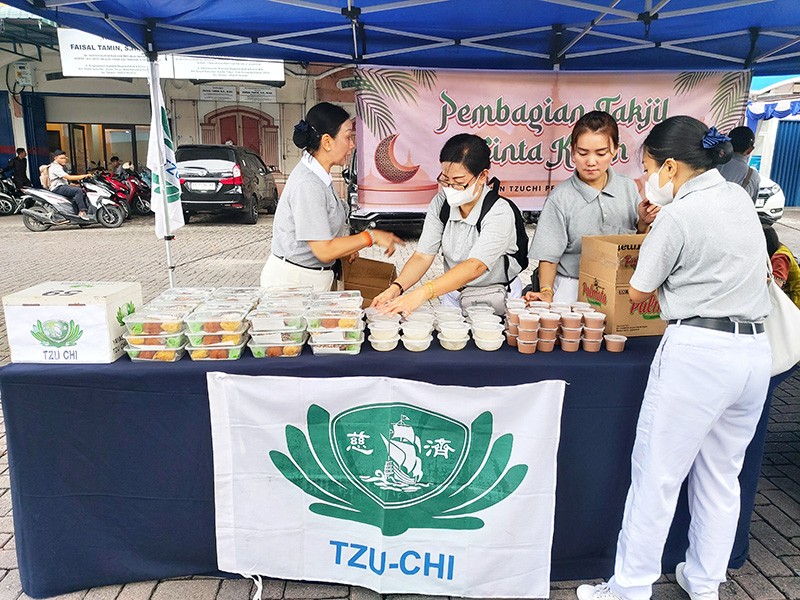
[(468, 150), (113, 158), (58, 153), (742, 139), (20, 150)]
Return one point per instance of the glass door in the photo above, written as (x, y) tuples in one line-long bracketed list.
[(77, 141)]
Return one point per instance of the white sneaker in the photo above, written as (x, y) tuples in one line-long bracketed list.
[(682, 582), (596, 592)]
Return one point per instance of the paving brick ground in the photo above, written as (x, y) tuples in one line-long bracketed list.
[(220, 252)]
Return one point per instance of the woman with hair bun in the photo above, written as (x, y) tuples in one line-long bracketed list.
[(706, 257), (310, 226)]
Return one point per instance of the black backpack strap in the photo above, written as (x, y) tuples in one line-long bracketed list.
[(521, 255), (444, 212)]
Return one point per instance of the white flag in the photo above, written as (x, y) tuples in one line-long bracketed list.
[(167, 191), (399, 486)]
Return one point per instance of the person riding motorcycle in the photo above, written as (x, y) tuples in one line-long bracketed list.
[(59, 183)]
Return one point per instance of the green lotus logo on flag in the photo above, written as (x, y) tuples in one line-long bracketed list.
[(173, 191), (398, 467)]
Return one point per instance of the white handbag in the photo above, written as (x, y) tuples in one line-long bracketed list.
[(783, 329)]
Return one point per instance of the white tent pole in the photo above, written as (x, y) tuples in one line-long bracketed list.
[(155, 83)]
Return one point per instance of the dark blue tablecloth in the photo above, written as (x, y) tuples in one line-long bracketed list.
[(112, 476)]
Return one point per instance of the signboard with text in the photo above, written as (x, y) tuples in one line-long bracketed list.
[(405, 116)]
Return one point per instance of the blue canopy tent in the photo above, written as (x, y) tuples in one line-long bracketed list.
[(762, 35)]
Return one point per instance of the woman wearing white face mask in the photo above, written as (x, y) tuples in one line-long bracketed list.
[(478, 245), (706, 257)]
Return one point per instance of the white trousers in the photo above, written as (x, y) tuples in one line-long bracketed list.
[(279, 273), (451, 298), (702, 404), (565, 289)]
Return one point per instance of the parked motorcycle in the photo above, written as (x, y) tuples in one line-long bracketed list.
[(118, 189), (10, 197), (139, 198), (44, 209)]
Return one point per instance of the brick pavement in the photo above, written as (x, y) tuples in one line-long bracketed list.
[(221, 252)]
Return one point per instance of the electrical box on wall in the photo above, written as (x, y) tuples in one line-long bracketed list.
[(23, 74)]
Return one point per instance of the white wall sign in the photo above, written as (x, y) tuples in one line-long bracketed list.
[(259, 94), (218, 93), (227, 69), (87, 55)]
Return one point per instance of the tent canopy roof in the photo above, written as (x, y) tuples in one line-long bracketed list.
[(575, 35)]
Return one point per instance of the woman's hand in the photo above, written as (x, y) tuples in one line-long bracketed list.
[(386, 240), (647, 213), (546, 296), (385, 296), (352, 258), (407, 303)]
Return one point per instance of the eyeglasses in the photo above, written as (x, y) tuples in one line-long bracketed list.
[(456, 186)]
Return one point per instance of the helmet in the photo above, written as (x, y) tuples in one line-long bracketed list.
[(128, 166)]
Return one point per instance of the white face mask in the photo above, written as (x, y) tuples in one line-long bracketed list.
[(660, 196), (460, 197)]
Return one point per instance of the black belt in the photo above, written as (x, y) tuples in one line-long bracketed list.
[(303, 266), (720, 324)]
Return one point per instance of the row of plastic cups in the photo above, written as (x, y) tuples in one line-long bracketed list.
[(528, 319), (613, 344), (411, 344)]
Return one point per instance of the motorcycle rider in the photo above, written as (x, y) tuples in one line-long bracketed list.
[(18, 166), (59, 183)]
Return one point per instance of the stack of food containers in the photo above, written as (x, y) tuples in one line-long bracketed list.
[(155, 334), (487, 328), (335, 323), (453, 330), (384, 330), (417, 329), (217, 332), (278, 326)]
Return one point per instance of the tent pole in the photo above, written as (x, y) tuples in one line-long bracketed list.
[(155, 82)]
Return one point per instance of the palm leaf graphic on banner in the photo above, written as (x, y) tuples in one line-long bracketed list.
[(482, 481), (730, 99), (375, 86)]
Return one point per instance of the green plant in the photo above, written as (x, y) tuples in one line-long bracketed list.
[(730, 99), (374, 86)]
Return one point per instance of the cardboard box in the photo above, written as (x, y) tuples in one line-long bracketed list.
[(70, 321), (611, 257), (607, 265), (628, 318), (368, 276)]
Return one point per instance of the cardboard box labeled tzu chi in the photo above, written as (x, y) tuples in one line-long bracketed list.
[(607, 265), (70, 321)]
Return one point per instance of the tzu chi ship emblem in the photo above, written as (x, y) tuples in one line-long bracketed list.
[(398, 467)]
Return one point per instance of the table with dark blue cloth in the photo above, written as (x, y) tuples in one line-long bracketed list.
[(112, 473)]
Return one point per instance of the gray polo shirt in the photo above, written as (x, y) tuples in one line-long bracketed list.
[(735, 171), (575, 209), (57, 176), (459, 240), (309, 210), (705, 254)]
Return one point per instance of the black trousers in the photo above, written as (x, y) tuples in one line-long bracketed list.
[(73, 193)]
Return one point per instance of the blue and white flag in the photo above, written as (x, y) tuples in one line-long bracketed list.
[(399, 486), (161, 163)]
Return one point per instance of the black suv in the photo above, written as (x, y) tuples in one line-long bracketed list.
[(223, 178)]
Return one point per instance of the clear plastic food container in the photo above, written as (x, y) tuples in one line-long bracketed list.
[(153, 321), (216, 321), (328, 319), (237, 292), (164, 340), (297, 303), (289, 350), (276, 319), (349, 347), (164, 304), (343, 299), (216, 352), (226, 305), (155, 354), (337, 335), (186, 292), (222, 338), (261, 338)]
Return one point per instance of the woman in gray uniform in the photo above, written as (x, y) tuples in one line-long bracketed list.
[(706, 257), (476, 231), (310, 226), (594, 201)]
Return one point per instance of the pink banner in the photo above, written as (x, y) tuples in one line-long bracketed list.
[(405, 116)]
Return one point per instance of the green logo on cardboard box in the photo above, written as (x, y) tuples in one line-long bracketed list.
[(398, 467), (57, 333)]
